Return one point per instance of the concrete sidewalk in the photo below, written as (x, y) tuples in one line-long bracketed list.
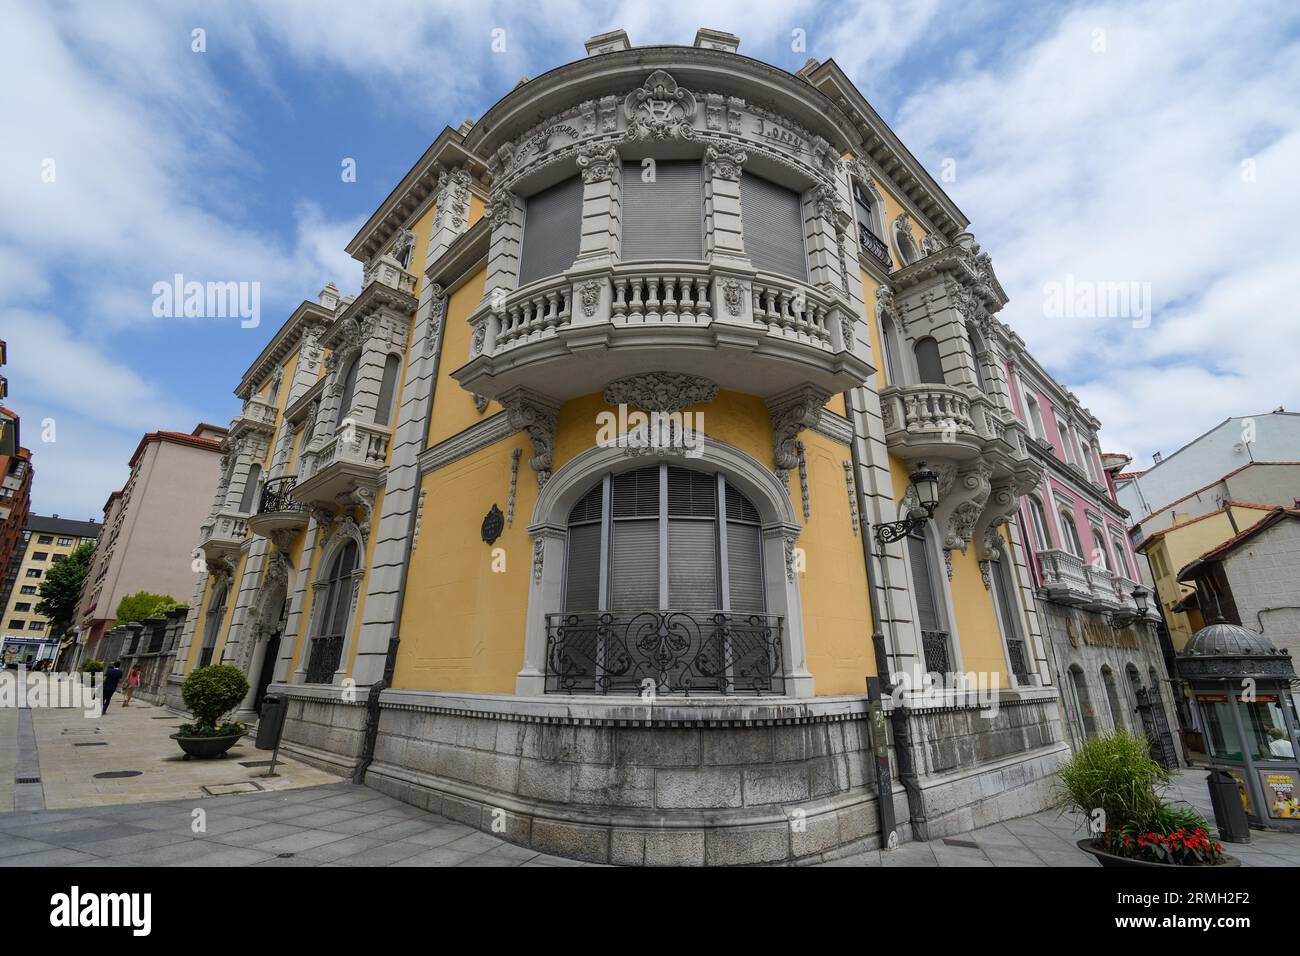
[(133, 743)]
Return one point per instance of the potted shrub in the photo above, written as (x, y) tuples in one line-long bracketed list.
[(1113, 782), (210, 693), (92, 666)]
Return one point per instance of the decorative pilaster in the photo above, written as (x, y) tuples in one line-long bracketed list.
[(601, 197), (724, 231)]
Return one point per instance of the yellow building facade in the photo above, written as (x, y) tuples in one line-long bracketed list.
[(597, 517)]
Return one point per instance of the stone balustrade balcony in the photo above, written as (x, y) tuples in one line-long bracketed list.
[(571, 334), (931, 422), (222, 535), (355, 455), (256, 416), (1068, 579)]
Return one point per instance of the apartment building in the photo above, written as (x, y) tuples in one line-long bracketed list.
[(27, 635)]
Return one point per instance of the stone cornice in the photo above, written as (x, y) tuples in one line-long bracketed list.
[(414, 193), (478, 436), (615, 74), (373, 299), (281, 344), (456, 265)]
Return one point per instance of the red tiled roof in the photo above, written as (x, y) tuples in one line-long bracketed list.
[(179, 438)]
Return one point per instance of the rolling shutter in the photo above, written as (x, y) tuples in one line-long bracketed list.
[(744, 556), (772, 219), (582, 582), (692, 540), (663, 219), (552, 228), (634, 566)]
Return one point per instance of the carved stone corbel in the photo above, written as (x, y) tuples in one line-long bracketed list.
[(725, 162), (792, 412), (535, 414), (599, 162), (960, 506)]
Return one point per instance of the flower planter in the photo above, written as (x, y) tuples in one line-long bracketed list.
[(1110, 859), (206, 746)]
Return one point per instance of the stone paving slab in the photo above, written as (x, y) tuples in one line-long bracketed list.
[(339, 824)]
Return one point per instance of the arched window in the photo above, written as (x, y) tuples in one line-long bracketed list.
[(664, 583), (212, 625), (977, 356), (1035, 416), (248, 500), (552, 230), (1038, 518), (907, 251), (1121, 557), (929, 602), (1112, 699), (1100, 556), (349, 389), (1083, 701), (332, 617), (387, 390), (664, 538), (1070, 533), (929, 367), (866, 211)]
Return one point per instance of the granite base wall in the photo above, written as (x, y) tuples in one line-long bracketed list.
[(698, 783), (322, 728), (980, 766)]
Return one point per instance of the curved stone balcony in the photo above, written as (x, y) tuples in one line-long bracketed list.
[(352, 458), (221, 536), (572, 334), (277, 509), (931, 422), (1068, 579)]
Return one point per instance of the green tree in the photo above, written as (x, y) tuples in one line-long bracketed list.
[(61, 589), (143, 605)]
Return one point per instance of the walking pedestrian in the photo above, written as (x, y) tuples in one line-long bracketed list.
[(112, 677), (132, 682)]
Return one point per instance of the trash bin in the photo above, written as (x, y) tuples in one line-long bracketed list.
[(1229, 814), (271, 723)]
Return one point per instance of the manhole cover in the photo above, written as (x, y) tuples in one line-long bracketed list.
[(285, 856), (221, 789), (91, 743), (115, 774), (255, 763), (27, 779)]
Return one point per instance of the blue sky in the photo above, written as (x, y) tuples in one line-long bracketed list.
[(1111, 142)]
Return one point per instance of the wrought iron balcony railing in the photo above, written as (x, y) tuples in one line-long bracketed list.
[(874, 245), (1016, 652), (323, 659), (276, 497), (667, 652)]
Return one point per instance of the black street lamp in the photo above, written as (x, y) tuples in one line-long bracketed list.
[(1141, 598), (925, 483)]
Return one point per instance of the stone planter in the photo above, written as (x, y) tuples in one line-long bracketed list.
[(206, 746), (1110, 859)]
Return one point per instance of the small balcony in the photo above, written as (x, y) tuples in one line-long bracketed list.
[(277, 509), (1070, 580), (931, 422), (572, 334), (256, 416), (354, 456), (675, 652), (874, 246), (222, 535)]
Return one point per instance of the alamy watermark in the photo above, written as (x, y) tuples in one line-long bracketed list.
[(208, 300), (1087, 299), (653, 433)]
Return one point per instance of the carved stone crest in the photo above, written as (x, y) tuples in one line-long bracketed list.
[(590, 296), (660, 109), (660, 391), (598, 162), (732, 295), (725, 162)]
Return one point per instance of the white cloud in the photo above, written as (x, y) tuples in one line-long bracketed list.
[(1127, 165)]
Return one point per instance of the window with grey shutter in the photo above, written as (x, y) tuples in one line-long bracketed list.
[(744, 556), (248, 500), (772, 222), (929, 366), (349, 389), (387, 390), (582, 569), (692, 540), (634, 565), (1006, 598), (552, 228), (663, 219)]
